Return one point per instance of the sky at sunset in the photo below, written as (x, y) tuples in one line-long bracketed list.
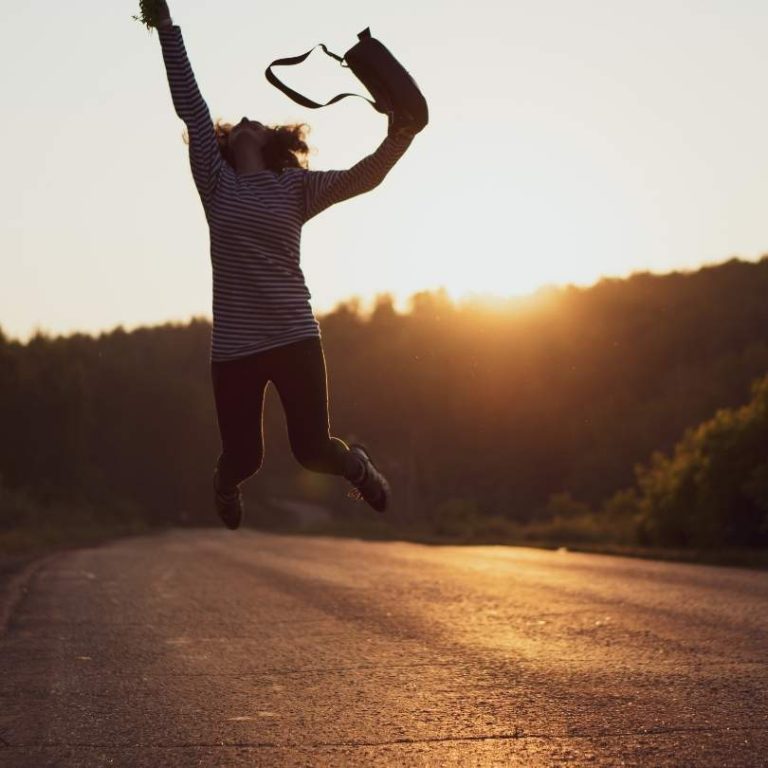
[(567, 141)]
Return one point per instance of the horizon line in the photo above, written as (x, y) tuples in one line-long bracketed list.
[(365, 305)]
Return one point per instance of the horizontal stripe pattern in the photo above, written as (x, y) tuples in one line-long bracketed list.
[(260, 297)]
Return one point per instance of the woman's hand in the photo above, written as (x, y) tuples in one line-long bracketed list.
[(163, 12), (154, 13), (400, 125)]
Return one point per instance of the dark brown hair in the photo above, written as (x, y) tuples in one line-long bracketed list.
[(285, 148)]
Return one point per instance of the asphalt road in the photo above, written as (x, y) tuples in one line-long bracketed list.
[(218, 649)]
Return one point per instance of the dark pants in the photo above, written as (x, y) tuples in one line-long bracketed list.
[(298, 373)]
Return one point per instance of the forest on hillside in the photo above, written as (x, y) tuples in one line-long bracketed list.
[(515, 411)]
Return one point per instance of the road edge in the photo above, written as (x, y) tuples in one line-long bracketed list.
[(15, 587)]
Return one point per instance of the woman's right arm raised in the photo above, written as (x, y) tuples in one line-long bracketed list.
[(204, 155)]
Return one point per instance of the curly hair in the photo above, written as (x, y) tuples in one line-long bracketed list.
[(286, 146)]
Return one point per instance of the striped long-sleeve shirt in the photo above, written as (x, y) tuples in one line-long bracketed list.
[(260, 298)]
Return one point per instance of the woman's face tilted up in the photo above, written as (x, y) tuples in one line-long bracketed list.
[(248, 131), (245, 142)]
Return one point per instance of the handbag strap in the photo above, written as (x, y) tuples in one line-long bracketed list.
[(295, 95)]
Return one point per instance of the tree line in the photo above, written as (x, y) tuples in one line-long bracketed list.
[(574, 401)]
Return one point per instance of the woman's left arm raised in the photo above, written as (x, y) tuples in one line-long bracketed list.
[(324, 188)]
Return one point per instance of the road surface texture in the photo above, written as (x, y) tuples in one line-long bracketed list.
[(210, 648)]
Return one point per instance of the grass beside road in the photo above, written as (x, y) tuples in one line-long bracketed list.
[(30, 527), (29, 541)]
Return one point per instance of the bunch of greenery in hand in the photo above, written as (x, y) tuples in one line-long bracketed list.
[(153, 13)]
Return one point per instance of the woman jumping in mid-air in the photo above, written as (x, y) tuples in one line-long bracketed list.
[(257, 194)]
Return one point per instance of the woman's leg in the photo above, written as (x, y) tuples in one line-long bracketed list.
[(238, 388), (298, 373)]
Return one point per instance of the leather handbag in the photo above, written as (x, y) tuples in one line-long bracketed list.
[(394, 91)]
